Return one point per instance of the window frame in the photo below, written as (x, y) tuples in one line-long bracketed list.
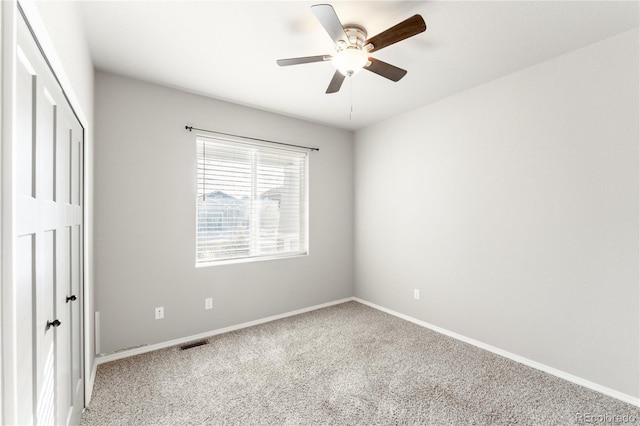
[(240, 141)]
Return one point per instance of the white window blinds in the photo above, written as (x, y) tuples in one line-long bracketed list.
[(251, 201)]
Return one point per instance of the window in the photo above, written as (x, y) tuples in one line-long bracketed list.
[(251, 201)]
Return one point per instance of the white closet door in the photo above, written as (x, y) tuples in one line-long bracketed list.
[(48, 180)]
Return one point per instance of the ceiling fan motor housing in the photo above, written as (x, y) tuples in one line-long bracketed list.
[(357, 35)]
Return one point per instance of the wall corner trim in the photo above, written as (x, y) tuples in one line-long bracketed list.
[(90, 383), (629, 399)]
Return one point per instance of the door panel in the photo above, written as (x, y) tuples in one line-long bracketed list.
[(63, 162), (44, 336), (76, 168), (76, 320), (25, 281), (45, 141), (25, 159), (63, 343)]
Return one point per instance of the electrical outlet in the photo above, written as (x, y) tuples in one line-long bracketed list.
[(159, 312), (416, 293), (208, 303)]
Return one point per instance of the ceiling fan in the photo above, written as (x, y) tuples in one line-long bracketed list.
[(353, 47)]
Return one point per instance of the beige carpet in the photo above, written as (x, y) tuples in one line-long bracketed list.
[(346, 364)]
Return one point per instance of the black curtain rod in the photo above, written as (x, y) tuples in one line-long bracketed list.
[(191, 128)]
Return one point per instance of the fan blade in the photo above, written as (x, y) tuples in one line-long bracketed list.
[(329, 20), (303, 60), (336, 82), (405, 29), (386, 70)]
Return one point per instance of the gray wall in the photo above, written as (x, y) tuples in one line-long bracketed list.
[(513, 207), (145, 218)]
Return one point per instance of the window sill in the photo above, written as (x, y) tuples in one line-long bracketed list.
[(249, 259)]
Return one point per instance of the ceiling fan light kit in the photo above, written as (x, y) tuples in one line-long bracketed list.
[(350, 60), (353, 47)]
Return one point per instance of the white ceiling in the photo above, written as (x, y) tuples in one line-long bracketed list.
[(227, 50)]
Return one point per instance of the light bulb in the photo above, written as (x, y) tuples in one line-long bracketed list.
[(350, 60)]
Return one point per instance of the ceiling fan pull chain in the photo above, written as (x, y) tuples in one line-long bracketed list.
[(351, 97)]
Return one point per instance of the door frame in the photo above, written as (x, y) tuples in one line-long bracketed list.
[(10, 12)]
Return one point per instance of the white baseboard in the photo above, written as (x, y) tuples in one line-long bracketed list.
[(522, 360), (148, 348), (517, 358)]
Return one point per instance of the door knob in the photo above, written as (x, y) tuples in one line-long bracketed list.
[(54, 323), (71, 298)]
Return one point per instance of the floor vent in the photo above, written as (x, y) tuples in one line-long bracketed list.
[(193, 345)]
